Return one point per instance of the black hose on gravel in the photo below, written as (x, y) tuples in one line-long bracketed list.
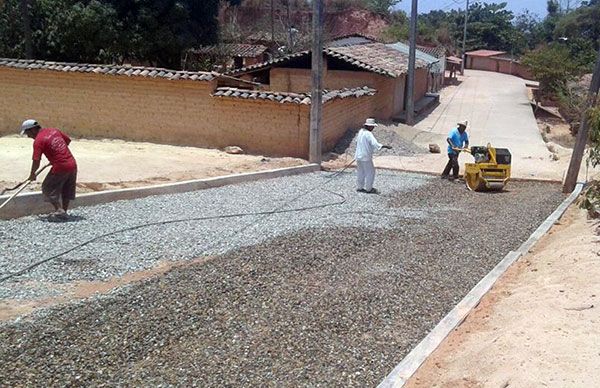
[(278, 210)]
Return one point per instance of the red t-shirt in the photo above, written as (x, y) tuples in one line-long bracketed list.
[(54, 144)]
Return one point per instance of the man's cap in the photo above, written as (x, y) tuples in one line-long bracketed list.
[(27, 125), (371, 123), (464, 123)]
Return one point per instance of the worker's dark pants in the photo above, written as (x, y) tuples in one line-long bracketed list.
[(451, 165)]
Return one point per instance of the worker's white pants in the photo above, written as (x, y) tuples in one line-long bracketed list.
[(365, 175)]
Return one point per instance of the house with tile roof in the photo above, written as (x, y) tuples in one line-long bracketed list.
[(497, 61), (436, 66), (226, 55), (371, 64), (201, 109)]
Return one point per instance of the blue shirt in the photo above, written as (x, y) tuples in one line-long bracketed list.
[(457, 139)]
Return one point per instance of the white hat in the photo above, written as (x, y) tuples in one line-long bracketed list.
[(464, 123), (27, 125), (371, 123)]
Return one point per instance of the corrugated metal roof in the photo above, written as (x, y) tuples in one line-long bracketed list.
[(130, 71), (434, 63), (438, 52)]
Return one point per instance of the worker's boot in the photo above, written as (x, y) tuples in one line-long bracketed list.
[(59, 215)]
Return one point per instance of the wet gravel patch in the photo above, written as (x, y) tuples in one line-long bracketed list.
[(318, 307), (385, 136), (28, 240)]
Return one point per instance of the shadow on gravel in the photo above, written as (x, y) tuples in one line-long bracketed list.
[(72, 218)]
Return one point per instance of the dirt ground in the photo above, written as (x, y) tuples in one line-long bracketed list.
[(537, 327), (113, 164), (555, 130)]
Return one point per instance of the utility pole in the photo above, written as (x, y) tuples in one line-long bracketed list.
[(410, 82), (464, 48), (582, 135), (272, 23), (26, 28), (316, 105)]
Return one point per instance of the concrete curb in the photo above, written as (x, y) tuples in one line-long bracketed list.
[(411, 363), (32, 203)]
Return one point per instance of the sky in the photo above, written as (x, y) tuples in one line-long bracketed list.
[(517, 6)]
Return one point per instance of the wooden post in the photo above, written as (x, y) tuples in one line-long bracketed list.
[(316, 107), (464, 48), (272, 24), (582, 135), (410, 81)]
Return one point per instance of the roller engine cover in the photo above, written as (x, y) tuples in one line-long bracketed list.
[(480, 154), (503, 156)]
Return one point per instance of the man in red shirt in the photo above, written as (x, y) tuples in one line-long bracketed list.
[(59, 185)]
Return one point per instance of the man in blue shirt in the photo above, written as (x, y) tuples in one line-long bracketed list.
[(457, 139)]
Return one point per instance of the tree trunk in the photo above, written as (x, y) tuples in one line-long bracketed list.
[(26, 28)]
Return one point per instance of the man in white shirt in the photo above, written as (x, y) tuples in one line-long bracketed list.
[(366, 144)]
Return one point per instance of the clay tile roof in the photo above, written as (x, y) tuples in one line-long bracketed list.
[(373, 57), (138, 71), (350, 40), (291, 98), (269, 63), (232, 49), (484, 53)]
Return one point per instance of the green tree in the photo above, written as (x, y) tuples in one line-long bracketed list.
[(82, 32), (490, 26), (582, 23), (381, 7), (553, 66), (147, 31), (398, 28), (528, 32), (594, 123)]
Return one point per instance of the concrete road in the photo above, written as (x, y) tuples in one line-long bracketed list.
[(498, 110)]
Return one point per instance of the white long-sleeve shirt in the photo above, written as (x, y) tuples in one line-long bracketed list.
[(366, 144)]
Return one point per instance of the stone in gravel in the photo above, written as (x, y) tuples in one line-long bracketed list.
[(434, 149), (234, 150)]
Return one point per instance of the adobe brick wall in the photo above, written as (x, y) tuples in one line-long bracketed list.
[(522, 71), (482, 63), (421, 84), (389, 100), (154, 110), (342, 115), (499, 65)]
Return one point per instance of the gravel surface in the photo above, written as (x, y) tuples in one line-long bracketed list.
[(332, 304), (28, 240), (385, 136)]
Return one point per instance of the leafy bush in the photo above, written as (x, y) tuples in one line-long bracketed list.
[(553, 66)]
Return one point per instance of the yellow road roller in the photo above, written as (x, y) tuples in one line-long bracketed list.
[(491, 170)]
